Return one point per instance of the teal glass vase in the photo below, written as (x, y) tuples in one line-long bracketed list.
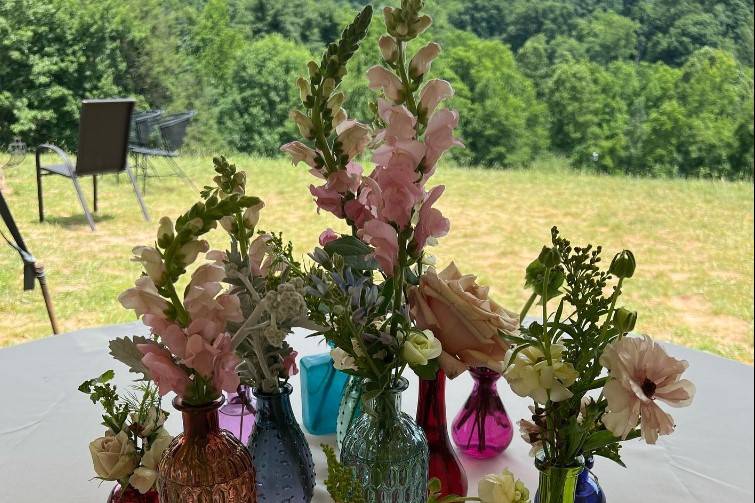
[(350, 410), (387, 451), (322, 387), (558, 484)]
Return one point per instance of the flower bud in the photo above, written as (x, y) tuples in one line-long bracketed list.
[(239, 182), (389, 48), (314, 69), (623, 265), (328, 86), (229, 224), (549, 257), (421, 24), (304, 90), (339, 117), (304, 123), (625, 320), (252, 215), (335, 101), (195, 224), (421, 61), (389, 13), (188, 252), (165, 232)]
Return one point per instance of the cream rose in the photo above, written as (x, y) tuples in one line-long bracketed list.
[(464, 318), (114, 456), (418, 349), (503, 488), (143, 479)]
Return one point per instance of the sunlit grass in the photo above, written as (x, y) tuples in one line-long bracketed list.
[(693, 241)]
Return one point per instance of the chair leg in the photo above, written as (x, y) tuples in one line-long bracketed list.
[(94, 190), (180, 172), (135, 184), (83, 202), (40, 199)]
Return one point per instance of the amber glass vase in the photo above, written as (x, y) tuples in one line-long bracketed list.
[(205, 464), (131, 495)]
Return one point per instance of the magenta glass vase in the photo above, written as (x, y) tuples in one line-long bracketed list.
[(482, 429), (431, 416), (237, 414), (131, 495)]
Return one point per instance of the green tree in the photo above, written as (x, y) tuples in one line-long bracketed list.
[(608, 36)]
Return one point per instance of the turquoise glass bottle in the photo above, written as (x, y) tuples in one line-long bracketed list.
[(322, 387), (350, 409)]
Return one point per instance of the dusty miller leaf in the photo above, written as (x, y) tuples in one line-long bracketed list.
[(125, 351)]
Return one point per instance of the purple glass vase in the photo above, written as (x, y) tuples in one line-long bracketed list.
[(237, 415), (482, 429)]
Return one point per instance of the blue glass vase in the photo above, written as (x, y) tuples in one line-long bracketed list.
[(321, 391), (280, 452)]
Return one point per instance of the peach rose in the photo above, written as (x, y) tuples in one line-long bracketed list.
[(461, 314)]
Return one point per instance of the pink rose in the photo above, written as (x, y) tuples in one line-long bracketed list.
[(353, 137), (367, 205), (400, 193), (299, 152), (289, 364), (144, 298), (421, 61), (327, 236), (401, 123), (384, 239), (433, 93), (167, 375), (381, 78), (346, 180), (431, 222), (327, 199), (465, 319), (439, 136)]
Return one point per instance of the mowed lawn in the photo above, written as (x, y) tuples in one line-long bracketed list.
[(693, 241)]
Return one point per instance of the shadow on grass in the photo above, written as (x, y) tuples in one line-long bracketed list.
[(76, 220)]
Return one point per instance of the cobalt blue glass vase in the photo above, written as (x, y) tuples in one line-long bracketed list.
[(280, 452), (321, 391), (588, 489)]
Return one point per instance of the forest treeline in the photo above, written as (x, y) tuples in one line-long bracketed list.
[(647, 87)]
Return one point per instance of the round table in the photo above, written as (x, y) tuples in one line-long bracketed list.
[(46, 425)]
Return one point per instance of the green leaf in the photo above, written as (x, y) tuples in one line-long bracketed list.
[(348, 246)]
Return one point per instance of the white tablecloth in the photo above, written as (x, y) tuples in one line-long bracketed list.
[(46, 425)]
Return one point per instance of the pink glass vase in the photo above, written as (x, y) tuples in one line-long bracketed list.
[(482, 429), (237, 415), (204, 463), (431, 416), (131, 495)]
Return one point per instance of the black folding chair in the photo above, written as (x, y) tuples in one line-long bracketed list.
[(103, 149), (159, 136), (32, 269), (16, 153)]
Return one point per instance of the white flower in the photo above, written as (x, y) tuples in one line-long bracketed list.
[(503, 488), (188, 252), (153, 455), (252, 215), (420, 348), (343, 360), (529, 374), (165, 230), (144, 298), (143, 479), (304, 124), (114, 456), (152, 262), (154, 420)]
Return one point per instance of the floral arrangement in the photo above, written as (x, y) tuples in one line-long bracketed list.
[(191, 351), (135, 438), (584, 346), (365, 280)]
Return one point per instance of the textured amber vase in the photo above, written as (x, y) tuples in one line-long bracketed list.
[(205, 464)]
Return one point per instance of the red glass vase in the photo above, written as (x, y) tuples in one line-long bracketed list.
[(482, 429), (131, 495), (431, 416), (204, 463)]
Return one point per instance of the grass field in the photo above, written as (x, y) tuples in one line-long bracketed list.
[(693, 241)]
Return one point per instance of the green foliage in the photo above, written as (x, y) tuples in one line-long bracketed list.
[(341, 484)]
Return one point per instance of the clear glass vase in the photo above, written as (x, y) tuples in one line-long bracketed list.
[(237, 414), (558, 484), (350, 409), (431, 416), (131, 495), (387, 451), (588, 489), (322, 387), (205, 463), (280, 452), (482, 428)]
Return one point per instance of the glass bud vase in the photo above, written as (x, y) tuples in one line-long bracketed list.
[(322, 387), (387, 451), (350, 409), (482, 429), (131, 495), (237, 415), (588, 489), (431, 416), (280, 453), (205, 463), (558, 484)]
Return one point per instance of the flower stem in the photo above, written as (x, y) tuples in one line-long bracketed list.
[(527, 307)]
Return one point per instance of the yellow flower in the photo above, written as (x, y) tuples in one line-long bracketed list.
[(420, 348)]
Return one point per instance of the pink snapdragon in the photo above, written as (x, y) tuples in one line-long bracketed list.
[(346, 180), (431, 222), (381, 78), (433, 93), (367, 205), (144, 298), (384, 239), (401, 123), (353, 137), (163, 370), (439, 136), (299, 152), (328, 199), (401, 193), (327, 236)]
